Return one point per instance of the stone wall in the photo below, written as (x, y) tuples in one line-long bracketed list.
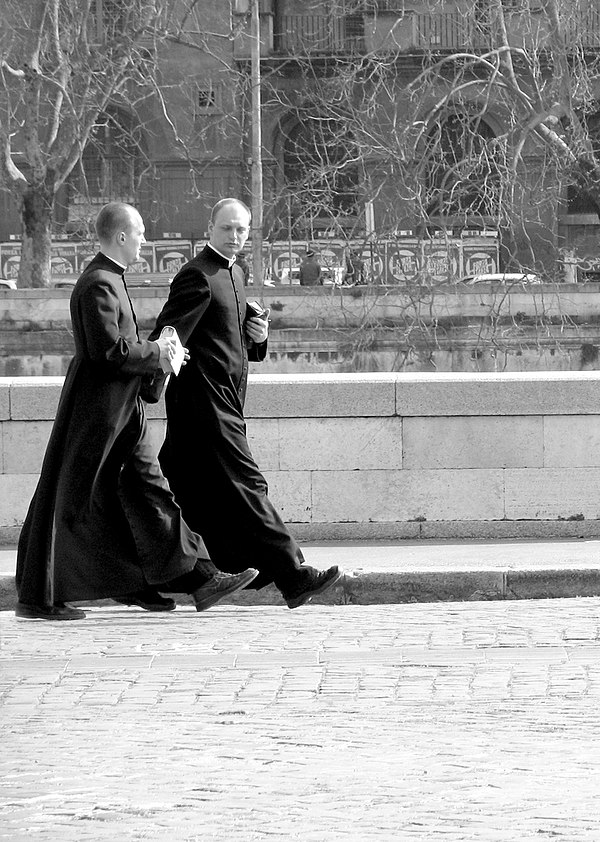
[(385, 456), (371, 328)]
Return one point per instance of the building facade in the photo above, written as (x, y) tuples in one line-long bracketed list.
[(363, 145)]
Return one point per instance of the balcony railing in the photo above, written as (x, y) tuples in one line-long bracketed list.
[(319, 35)]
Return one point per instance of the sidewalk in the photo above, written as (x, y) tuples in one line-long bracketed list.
[(428, 571), (363, 723)]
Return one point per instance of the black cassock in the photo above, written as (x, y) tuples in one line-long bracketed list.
[(103, 521), (206, 456)]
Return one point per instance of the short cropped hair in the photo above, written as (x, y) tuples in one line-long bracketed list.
[(223, 202), (114, 217)]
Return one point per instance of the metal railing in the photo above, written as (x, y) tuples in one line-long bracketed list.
[(334, 35), (318, 35)]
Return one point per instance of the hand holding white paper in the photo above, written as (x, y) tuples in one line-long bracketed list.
[(174, 364)]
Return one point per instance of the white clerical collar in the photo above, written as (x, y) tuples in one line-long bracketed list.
[(230, 260), (118, 263)]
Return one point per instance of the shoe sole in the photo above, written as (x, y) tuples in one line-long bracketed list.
[(148, 607), (217, 597), (304, 598), (23, 613)]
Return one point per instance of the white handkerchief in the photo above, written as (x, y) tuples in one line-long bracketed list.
[(173, 365)]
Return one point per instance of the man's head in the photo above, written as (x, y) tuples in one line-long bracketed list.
[(229, 226), (120, 230)]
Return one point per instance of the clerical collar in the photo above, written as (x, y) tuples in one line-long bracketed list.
[(116, 262), (229, 260)]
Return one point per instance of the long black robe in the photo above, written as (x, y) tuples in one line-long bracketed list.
[(103, 521), (206, 456)]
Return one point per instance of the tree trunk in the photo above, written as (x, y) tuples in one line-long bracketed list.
[(37, 204)]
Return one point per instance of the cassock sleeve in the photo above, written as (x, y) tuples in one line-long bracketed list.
[(257, 352), (106, 346), (189, 296)]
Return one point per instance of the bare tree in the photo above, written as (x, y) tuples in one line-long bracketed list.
[(65, 68), (484, 120)]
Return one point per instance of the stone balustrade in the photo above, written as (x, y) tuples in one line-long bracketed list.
[(361, 456)]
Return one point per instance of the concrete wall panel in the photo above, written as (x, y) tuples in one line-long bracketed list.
[(552, 493), (407, 495), (265, 443), (290, 493), (344, 444), (572, 441), (23, 446), (35, 398), (16, 491), (312, 396), (527, 393), (473, 442)]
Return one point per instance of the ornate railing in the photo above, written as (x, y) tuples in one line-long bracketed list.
[(331, 35), (318, 35)]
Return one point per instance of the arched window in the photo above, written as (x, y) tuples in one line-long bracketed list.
[(112, 161), (578, 200), (321, 175), (460, 168)]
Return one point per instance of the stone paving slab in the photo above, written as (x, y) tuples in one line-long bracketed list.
[(426, 571), (440, 721)]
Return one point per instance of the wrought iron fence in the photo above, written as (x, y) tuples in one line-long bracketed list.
[(343, 34)]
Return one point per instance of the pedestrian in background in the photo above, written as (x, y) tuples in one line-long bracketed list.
[(206, 456), (242, 262), (355, 268), (310, 270), (103, 521)]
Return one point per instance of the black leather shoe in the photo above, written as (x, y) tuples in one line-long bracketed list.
[(58, 611), (149, 599), (220, 586), (316, 584)]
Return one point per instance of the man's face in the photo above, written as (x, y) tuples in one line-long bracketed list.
[(229, 232), (134, 239)]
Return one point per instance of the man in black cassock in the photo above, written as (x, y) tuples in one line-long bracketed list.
[(206, 456), (103, 521)]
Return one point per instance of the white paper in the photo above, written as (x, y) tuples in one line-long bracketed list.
[(173, 365)]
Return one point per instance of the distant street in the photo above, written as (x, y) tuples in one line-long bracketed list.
[(446, 721)]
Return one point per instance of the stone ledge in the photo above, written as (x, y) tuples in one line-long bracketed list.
[(365, 395), (412, 531)]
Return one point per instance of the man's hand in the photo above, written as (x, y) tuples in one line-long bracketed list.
[(166, 347), (257, 328)]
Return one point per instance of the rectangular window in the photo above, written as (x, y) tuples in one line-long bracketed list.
[(208, 99)]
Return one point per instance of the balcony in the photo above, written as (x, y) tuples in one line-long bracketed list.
[(393, 31), (318, 35), (448, 31)]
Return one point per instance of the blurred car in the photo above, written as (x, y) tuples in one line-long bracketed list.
[(62, 283), (145, 281), (6, 283), (502, 278)]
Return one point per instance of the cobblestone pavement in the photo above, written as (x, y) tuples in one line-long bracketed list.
[(447, 721)]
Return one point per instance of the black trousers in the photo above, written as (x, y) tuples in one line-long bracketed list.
[(165, 545)]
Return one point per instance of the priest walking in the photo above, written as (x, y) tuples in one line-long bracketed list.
[(206, 456), (103, 521)]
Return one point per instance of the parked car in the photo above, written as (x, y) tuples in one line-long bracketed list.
[(145, 281), (6, 283), (62, 283), (507, 278)]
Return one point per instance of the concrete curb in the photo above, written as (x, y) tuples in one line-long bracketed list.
[(372, 588), (455, 530)]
